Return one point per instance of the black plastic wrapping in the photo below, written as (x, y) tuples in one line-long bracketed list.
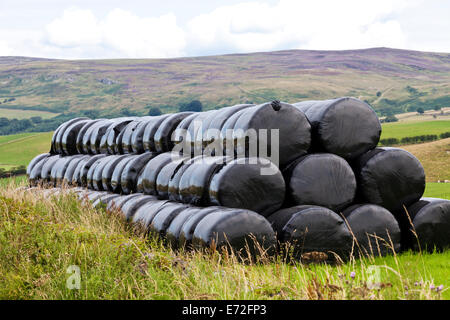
[(117, 173), (137, 144), (376, 230), (85, 169), (174, 181), (144, 215), (35, 161), (58, 165), (180, 133), (47, 167), (345, 126), (152, 126), (147, 178), (389, 177), (192, 131), (91, 171), (241, 184), (108, 171), (91, 131), (163, 136), (97, 183), (69, 137), (98, 131), (108, 142), (294, 130), (164, 175), (105, 199), (129, 176), (322, 179), (431, 223), (312, 229), (119, 202), (57, 135), (164, 217), (129, 130), (61, 171), (76, 179), (174, 229), (130, 207), (243, 231), (193, 187), (70, 170), (81, 134), (92, 196)]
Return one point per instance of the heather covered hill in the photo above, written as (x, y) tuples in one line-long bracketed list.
[(391, 80)]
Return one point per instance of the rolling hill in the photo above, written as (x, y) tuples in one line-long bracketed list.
[(391, 80)]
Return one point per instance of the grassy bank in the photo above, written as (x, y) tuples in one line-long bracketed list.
[(41, 238)]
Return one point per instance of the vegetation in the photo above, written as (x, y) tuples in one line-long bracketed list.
[(42, 238), (195, 106), (154, 112), (401, 130)]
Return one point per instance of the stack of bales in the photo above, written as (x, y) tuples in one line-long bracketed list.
[(330, 190)]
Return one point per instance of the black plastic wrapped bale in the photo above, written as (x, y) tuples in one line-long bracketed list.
[(128, 134), (226, 135), (130, 207), (345, 126), (97, 182), (70, 170), (108, 142), (152, 126), (164, 175), (431, 220), (129, 176), (147, 178), (248, 183), (54, 169), (294, 131), (98, 131), (47, 168), (163, 136), (244, 231), (180, 134), (85, 169), (312, 229), (76, 178), (108, 171), (187, 229), (117, 203), (61, 172), (137, 138), (86, 140), (144, 215), (322, 179), (174, 181), (82, 132), (164, 217), (194, 127), (104, 199), (389, 177), (92, 196), (117, 173), (91, 171), (376, 230), (193, 187), (35, 161), (174, 229), (56, 146), (69, 137)]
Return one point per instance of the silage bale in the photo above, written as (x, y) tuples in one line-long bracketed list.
[(389, 177), (68, 143), (174, 181), (57, 135), (81, 134), (76, 173), (164, 217), (321, 179), (127, 144), (376, 230), (195, 126), (91, 171), (70, 170), (187, 229), (97, 134), (117, 203), (108, 171), (137, 143), (249, 183), (108, 142), (84, 169), (130, 207), (164, 175), (174, 229), (105, 199), (243, 231), (92, 131), (117, 173), (344, 126), (129, 176), (61, 171), (97, 174), (144, 215), (35, 161), (45, 174), (163, 136), (147, 178), (431, 224), (180, 133), (312, 229), (148, 139), (293, 128), (35, 174)]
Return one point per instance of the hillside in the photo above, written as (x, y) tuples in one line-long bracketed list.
[(392, 80)]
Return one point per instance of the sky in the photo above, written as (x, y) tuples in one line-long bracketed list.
[(100, 29)]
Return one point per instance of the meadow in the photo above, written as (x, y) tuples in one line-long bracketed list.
[(414, 128), (25, 114)]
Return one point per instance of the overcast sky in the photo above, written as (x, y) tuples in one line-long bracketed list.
[(79, 29)]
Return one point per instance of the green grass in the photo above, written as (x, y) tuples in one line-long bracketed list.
[(19, 149), (25, 114), (437, 190), (408, 129), (41, 237)]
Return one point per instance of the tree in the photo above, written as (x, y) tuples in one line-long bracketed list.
[(378, 93), (154, 112), (194, 105), (437, 108), (36, 119), (420, 110), (391, 118)]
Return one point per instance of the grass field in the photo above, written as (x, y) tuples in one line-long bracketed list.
[(437, 190), (19, 149), (25, 114), (408, 129), (42, 238)]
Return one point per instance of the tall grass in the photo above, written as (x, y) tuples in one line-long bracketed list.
[(42, 235)]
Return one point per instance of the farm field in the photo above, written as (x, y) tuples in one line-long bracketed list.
[(414, 128), (25, 114)]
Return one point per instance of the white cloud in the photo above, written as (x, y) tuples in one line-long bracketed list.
[(5, 50), (119, 34)]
